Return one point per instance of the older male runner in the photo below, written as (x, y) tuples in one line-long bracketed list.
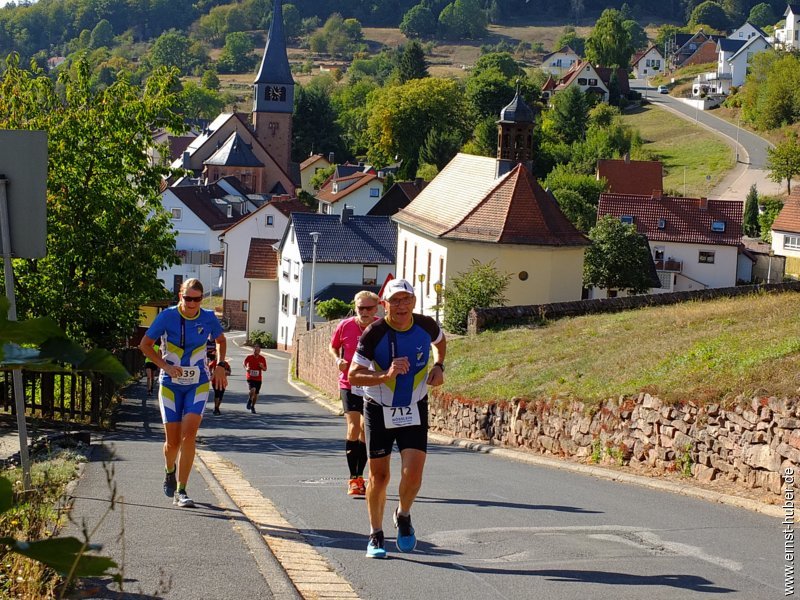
[(391, 362)]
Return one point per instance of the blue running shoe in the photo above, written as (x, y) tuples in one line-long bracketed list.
[(375, 547), (170, 484), (406, 540)]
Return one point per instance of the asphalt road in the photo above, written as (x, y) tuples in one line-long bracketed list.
[(491, 527)]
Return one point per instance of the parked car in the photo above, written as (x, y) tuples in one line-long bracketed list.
[(662, 89)]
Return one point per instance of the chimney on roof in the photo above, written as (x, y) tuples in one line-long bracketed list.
[(703, 203), (330, 157), (347, 212), (186, 160)]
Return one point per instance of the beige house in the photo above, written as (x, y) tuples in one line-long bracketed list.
[(468, 212), (309, 168), (786, 234)]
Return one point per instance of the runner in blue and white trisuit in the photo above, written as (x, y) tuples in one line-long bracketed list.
[(391, 362), (184, 383)]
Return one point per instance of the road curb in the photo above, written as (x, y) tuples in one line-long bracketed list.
[(566, 465)]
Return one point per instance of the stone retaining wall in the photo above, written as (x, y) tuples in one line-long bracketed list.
[(480, 319), (749, 444)]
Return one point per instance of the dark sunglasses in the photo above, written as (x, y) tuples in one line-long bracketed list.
[(192, 298)]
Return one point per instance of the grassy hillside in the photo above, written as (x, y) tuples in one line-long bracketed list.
[(700, 351), (680, 145)]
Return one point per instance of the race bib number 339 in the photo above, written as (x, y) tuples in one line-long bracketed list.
[(189, 376), (400, 416)]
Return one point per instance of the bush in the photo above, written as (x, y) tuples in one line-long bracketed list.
[(262, 338), (482, 286), (334, 309)]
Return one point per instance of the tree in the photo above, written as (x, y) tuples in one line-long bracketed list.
[(618, 259), (488, 91), (484, 138), (200, 102), (587, 187), (637, 34), (570, 38), (412, 64), (314, 124), (292, 21), (771, 95), (762, 15), (783, 161), (609, 44), (463, 19), (750, 219), (710, 13), (483, 285), (107, 232), (570, 114), (578, 210), (102, 35), (770, 208), (440, 147), (504, 62), (418, 22), (334, 309), (665, 34), (236, 56), (210, 80), (400, 117), (171, 50)]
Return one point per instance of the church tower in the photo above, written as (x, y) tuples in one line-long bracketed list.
[(515, 135), (273, 100)]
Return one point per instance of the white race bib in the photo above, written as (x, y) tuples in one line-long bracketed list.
[(255, 373), (189, 376), (401, 416)]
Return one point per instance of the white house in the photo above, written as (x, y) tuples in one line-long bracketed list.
[(740, 61), (786, 234), (746, 31), (734, 56), (360, 191), (695, 241), (590, 80), (199, 214), (559, 62), (309, 168), (789, 35), (241, 253), (647, 63), (351, 253)]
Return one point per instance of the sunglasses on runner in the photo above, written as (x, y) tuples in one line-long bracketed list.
[(192, 298)]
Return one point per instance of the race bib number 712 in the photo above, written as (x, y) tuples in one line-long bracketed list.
[(400, 416)]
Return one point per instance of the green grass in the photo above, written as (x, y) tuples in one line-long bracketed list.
[(699, 351), (681, 145)]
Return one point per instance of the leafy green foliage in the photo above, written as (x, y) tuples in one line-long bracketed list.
[(770, 208), (440, 147), (618, 259), (319, 178), (107, 233), (263, 339), (463, 19), (609, 44), (572, 39), (783, 161), (578, 210), (171, 49), (483, 285), (762, 15), (750, 220), (771, 94), (412, 64), (314, 124), (710, 13), (339, 36), (334, 309), (400, 118), (569, 116), (418, 22), (237, 54)]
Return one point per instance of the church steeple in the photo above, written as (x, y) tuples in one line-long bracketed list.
[(273, 94), (515, 135)]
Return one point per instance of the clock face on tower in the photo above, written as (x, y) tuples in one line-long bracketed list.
[(275, 93)]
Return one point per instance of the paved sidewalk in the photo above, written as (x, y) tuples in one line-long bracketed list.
[(209, 552)]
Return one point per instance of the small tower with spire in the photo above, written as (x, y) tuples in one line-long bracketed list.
[(515, 135), (273, 100)]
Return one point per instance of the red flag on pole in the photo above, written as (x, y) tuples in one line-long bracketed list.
[(389, 277)]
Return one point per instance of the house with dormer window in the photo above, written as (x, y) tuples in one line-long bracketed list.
[(359, 190), (695, 242), (351, 253)]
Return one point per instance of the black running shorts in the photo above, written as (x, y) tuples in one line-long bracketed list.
[(254, 385), (351, 402), (380, 439)]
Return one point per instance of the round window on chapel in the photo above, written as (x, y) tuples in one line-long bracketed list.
[(523, 275)]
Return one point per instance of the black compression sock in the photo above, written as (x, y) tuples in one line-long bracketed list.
[(351, 450)]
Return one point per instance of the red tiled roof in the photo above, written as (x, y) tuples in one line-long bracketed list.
[(789, 217), (684, 219), (288, 205), (262, 260), (359, 180), (632, 176), (518, 211), (311, 160)]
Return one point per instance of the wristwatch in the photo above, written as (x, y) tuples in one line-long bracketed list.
[(440, 365)]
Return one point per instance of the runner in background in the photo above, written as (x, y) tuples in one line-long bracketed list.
[(343, 345), (219, 390), (254, 365)]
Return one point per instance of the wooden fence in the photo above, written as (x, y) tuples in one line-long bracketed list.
[(72, 397)]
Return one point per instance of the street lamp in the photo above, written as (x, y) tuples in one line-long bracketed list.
[(314, 236), (438, 289), (421, 278)]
